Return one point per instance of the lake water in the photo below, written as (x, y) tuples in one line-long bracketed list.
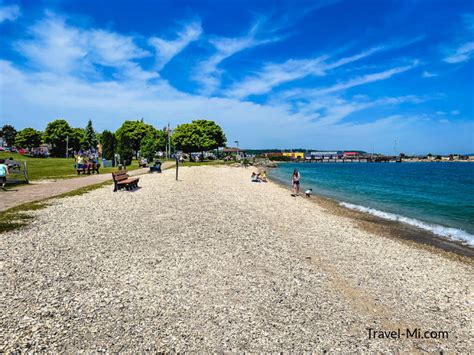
[(438, 197)]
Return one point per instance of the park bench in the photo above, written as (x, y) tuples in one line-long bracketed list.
[(123, 180), (87, 168)]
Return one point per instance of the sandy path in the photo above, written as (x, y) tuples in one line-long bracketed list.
[(215, 262)]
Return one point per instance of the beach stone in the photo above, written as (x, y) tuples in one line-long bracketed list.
[(214, 263)]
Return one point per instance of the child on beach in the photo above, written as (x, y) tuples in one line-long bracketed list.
[(295, 181), (264, 176), (3, 173)]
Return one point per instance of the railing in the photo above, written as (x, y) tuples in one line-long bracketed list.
[(18, 172)]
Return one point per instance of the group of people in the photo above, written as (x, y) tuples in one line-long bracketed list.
[(295, 182), (259, 177)]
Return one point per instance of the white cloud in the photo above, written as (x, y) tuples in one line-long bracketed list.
[(427, 74), (273, 75), (365, 79), (462, 54), (111, 49), (208, 73), (9, 13), (276, 74), (168, 49), (57, 47)]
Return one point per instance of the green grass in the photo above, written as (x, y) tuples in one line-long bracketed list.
[(53, 168), (17, 217)]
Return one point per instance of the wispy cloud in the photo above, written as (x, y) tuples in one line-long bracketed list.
[(427, 74), (464, 50), (462, 54), (168, 49), (273, 75), (365, 79), (208, 73), (9, 12), (58, 47)]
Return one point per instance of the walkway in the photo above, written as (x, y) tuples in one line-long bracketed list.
[(33, 192)]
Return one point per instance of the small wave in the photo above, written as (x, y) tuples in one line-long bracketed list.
[(450, 233)]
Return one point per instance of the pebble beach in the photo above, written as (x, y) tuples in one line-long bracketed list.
[(214, 262)]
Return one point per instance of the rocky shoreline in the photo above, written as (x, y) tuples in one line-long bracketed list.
[(214, 262)]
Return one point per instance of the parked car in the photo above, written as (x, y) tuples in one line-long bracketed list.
[(22, 151), (2, 149)]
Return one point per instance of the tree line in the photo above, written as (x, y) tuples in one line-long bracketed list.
[(132, 137)]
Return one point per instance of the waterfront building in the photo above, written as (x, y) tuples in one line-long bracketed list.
[(294, 155)]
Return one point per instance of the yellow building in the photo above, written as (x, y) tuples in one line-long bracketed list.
[(294, 155)]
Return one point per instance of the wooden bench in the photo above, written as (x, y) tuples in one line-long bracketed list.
[(87, 168), (123, 180)]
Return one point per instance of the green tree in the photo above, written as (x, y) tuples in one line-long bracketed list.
[(90, 139), (56, 134), (133, 132), (109, 143), (8, 133), (124, 148), (198, 136), (76, 139), (149, 146), (28, 138), (187, 137), (213, 136)]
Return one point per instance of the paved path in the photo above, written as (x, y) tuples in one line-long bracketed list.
[(33, 192)]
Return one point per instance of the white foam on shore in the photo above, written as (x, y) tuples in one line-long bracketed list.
[(446, 232)]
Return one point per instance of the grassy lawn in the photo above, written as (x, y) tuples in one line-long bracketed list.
[(53, 168)]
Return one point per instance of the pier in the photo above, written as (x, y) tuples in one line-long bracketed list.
[(353, 160)]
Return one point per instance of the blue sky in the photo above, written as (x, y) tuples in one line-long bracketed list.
[(274, 74)]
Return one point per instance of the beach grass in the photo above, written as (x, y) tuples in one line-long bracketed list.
[(53, 168)]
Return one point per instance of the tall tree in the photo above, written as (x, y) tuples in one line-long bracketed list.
[(213, 136), (8, 133), (198, 136), (56, 134), (133, 132), (76, 139), (28, 138), (124, 149), (109, 143), (149, 146), (90, 139), (187, 137)]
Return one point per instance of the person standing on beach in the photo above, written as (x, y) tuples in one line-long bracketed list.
[(3, 173), (295, 180)]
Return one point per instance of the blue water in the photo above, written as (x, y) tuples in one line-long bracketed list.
[(434, 196)]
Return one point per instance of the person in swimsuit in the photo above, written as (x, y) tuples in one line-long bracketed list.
[(295, 181)]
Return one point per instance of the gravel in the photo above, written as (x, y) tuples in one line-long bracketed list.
[(214, 262)]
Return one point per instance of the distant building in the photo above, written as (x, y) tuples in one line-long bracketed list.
[(322, 155), (351, 154), (294, 155), (272, 154)]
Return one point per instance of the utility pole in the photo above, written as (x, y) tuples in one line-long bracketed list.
[(67, 146), (169, 141)]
